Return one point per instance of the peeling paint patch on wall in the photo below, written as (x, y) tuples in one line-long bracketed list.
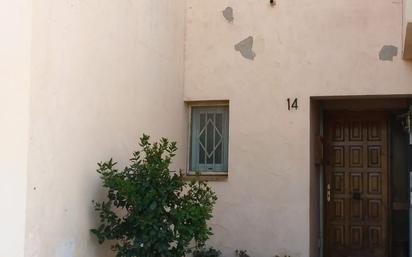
[(65, 249), (245, 48), (388, 52), (228, 14)]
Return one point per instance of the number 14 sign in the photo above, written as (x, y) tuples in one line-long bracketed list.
[(292, 104)]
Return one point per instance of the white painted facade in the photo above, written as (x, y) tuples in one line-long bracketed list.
[(81, 80), (303, 49), (15, 27)]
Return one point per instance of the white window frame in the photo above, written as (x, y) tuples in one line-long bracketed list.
[(208, 104)]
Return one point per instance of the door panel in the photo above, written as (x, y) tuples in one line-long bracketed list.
[(356, 178)]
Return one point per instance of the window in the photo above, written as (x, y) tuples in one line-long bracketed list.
[(209, 139)]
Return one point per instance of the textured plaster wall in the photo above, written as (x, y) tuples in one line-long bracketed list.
[(407, 11), (407, 29), (302, 48), (15, 28), (103, 72)]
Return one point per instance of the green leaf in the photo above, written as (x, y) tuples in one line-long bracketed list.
[(153, 206)]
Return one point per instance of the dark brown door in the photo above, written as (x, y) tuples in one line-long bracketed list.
[(356, 192)]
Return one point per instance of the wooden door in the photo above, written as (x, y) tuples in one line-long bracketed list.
[(356, 152)]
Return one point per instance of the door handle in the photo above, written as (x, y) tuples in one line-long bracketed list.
[(328, 192)]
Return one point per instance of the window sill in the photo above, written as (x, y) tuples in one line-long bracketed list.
[(206, 176)]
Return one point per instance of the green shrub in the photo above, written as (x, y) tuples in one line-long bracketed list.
[(206, 252), (151, 211), (241, 253)]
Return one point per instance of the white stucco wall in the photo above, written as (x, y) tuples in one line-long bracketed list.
[(15, 28), (96, 74), (303, 48), (407, 29), (104, 72), (407, 11)]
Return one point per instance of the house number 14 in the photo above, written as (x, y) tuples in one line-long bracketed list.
[(292, 104)]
